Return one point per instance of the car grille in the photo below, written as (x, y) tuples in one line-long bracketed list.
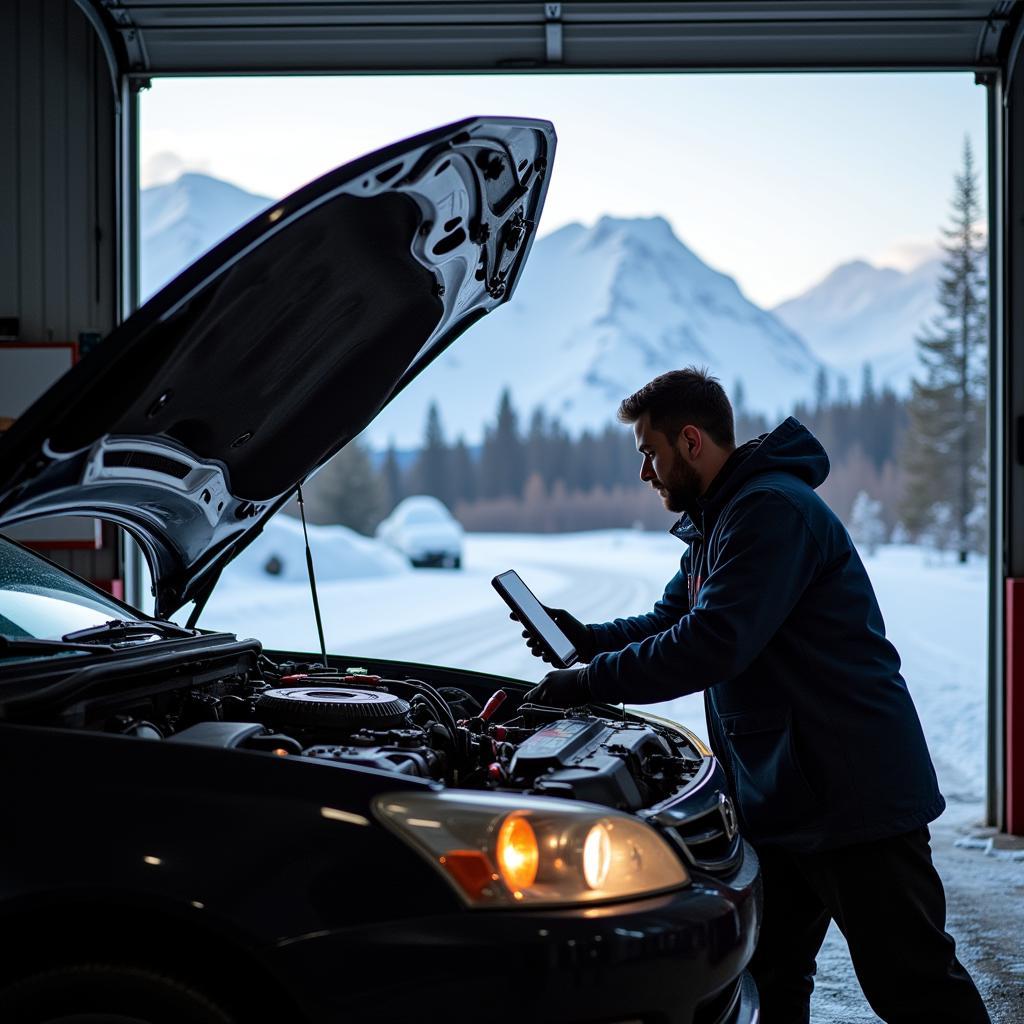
[(709, 840)]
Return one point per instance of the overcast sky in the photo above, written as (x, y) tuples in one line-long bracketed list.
[(774, 179)]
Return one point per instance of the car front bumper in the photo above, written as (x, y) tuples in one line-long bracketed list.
[(679, 958)]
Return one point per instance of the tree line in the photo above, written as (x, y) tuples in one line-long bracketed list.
[(531, 475)]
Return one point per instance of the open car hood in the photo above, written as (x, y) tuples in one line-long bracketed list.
[(195, 420)]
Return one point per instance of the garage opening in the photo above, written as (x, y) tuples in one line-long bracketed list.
[(821, 250)]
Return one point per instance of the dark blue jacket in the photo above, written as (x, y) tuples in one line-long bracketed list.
[(773, 616)]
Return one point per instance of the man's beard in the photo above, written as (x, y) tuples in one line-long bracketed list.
[(682, 487)]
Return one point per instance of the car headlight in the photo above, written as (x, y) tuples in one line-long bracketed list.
[(499, 850)]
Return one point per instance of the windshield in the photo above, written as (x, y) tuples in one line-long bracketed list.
[(40, 602), (424, 516)]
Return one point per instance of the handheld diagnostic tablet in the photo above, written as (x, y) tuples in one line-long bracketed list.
[(530, 612)]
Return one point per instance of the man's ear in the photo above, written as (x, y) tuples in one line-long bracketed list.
[(690, 442)]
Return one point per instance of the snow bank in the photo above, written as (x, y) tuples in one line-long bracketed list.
[(279, 555)]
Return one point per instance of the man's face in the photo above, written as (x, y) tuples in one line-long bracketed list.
[(666, 468)]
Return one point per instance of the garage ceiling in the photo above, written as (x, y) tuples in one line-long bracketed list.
[(146, 37)]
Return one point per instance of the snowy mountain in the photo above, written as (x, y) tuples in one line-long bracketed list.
[(181, 220), (599, 311), (861, 313)]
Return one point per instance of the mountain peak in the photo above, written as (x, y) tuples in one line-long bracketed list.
[(647, 227), (187, 216), (848, 286), (647, 231), (861, 270), (198, 183), (600, 310), (618, 233), (850, 268), (861, 313)]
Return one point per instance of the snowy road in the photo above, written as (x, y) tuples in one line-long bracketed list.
[(488, 638)]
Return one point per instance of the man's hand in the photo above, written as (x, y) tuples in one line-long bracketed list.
[(578, 634), (562, 688)]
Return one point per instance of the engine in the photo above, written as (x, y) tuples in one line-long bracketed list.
[(410, 727)]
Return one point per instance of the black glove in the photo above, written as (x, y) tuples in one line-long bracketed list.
[(578, 634), (562, 688)]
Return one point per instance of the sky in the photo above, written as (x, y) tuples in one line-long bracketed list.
[(773, 179)]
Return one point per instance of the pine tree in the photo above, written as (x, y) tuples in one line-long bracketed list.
[(739, 397), (560, 455), (463, 469), (503, 461), (536, 443), (432, 467), (867, 386), (872, 429), (587, 469), (391, 471), (821, 388), (945, 453)]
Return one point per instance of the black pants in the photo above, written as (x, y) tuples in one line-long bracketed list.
[(888, 902)]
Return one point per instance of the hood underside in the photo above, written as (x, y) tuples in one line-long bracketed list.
[(197, 418)]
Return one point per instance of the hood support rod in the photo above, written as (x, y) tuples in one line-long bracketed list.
[(200, 601), (312, 575)]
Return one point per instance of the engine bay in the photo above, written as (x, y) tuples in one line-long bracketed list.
[(412, 727)]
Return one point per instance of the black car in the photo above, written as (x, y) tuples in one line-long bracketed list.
[(198, 829)]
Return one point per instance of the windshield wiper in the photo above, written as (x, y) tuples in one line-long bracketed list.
[(128, 629), (33, 645)]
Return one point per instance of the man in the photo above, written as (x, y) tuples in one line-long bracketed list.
[(772, 615)]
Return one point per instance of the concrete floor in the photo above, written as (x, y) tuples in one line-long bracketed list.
[(985, 896)]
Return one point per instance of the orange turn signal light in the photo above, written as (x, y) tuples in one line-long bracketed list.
[(471, 869)]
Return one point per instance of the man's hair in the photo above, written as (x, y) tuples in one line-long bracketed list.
[(684, 396)]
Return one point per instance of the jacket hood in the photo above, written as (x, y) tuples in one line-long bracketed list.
[(196, 419), (789, 448)]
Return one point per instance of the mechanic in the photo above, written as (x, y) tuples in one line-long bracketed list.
[(773, 616)]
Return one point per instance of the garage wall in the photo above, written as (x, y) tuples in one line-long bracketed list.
[(57, 182), (58, 228)]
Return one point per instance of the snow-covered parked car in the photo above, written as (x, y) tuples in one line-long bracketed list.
[(423, 529), (201, 830)]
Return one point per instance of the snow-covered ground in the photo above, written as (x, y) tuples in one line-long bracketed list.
[(935, 612)]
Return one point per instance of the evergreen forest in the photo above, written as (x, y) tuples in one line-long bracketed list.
[(529, 474)]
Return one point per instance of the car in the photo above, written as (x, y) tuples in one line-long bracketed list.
[(198, 828), (423, 530)]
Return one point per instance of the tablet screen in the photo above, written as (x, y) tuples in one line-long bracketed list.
[(521, 597)]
